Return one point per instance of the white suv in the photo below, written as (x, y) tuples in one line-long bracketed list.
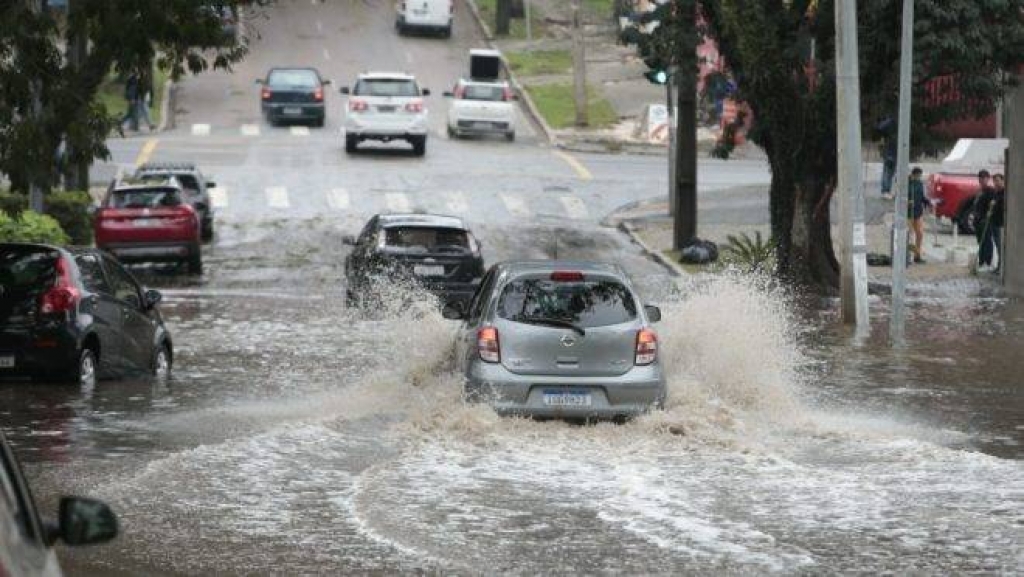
[(386, 106)]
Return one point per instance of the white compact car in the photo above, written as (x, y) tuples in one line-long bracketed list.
[(482, 107), (386, 106), (425, 15)]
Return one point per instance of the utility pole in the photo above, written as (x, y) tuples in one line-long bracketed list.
[(853, 264), (529, 25), (684, 229), (670, 104), (35, 190), (1013, 267), (579, 66), (502, 17), (899, 238)]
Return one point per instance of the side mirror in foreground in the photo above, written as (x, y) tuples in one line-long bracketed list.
[(653, 313)]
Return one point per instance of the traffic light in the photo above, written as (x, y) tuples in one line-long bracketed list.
[(658, 76)]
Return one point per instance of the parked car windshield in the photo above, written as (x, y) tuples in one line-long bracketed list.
[(483, 92), (293, 79), (427, 239), (386, 87), (26, 267), (586, 303), (145, 198)]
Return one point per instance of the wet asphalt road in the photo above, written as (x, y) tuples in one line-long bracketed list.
[(299, 438)]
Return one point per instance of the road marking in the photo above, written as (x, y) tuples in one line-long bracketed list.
[(147, 151), (574, 207), (408, 57), (250, 130), (337, 198), (569, 159), (456, 203), (327, 55), (299, 130), (218, 196), (277, 197), (397, 202), (200, 130), (515, 205)]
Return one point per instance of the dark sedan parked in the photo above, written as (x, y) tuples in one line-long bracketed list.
[(75, 315), (294, 95), (436, 252)]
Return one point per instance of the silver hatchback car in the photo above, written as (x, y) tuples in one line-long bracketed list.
[(559, 339)]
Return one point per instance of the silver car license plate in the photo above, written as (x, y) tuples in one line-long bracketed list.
[(292, 110), (6, 361), (428, 270), (385, 108), (566, 399)]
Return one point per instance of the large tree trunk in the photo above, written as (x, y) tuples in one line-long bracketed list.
[(802, 228)]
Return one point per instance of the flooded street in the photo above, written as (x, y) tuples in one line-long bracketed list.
[(300, 437)]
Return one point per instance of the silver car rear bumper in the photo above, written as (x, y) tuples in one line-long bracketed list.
[(636, 392)]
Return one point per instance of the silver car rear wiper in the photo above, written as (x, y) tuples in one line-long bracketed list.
[(561, 323)]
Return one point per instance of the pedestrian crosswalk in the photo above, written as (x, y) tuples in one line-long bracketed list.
[(279, 201)]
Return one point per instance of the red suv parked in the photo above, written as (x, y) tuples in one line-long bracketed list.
[(953, 189), (149, 222)]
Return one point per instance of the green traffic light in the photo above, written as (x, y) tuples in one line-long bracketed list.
[(657, 76)]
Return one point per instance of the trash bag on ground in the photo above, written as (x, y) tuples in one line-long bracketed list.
[(699, 252)]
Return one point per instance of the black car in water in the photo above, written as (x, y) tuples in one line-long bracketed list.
[(75, 315), (435, 252), (293, 95)]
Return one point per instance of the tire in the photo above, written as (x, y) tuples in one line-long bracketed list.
[(195, 261), (351, 144), (399, 27), (419, 145), (452, 133), (510, 136), (965, 221), (319, 122), (447, 32), (162, 363), (85, 370), (207, 230)]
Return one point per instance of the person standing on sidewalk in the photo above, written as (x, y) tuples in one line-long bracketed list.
[(983, 208), (998, 218), (145, 97), (916, 203), (886, 129), (131, 97)]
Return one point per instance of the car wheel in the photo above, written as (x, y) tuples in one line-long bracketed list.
[(447, 32), (319, 122), (85, 370), (965, 220), (351, 144), (400, 28), (162, 359), (510, 136), (195, 261), (207, 232), (452, 133), (419, 145)]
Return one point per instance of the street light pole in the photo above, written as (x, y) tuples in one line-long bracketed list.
[(672, 200), (579, 63), (899, 238), (853, 266)]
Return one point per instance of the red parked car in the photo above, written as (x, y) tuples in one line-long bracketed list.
[(953, 189), (149, 222)]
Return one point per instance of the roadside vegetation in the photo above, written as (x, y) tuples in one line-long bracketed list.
[(540, 62), (556, 104)]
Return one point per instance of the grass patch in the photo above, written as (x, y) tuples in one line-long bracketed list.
[(538, 62), (556, 105), (111, 95), (517, 26)]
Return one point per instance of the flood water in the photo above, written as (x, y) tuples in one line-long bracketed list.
[(297, 438)]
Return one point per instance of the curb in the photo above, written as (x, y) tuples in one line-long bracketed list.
[(673, 269), (531, 106)]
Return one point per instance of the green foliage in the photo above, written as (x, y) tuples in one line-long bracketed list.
[(31, 227), (558, 106), (71, 210), (12, 203), (538, 62), (753, 254)]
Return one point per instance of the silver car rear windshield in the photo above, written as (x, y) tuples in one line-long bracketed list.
[(586, 303), (425, 239), (145, 198), (386, 87)]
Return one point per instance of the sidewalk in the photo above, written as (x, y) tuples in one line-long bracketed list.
[(948, 258)]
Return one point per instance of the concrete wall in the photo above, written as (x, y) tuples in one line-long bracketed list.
[(1014, 249)]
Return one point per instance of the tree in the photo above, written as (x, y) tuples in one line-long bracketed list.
[(782, 57), (51, 70)]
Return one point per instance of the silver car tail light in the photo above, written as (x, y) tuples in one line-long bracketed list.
[(487, 345), (646, 347)]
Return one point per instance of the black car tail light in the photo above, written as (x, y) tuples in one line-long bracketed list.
[(64, 295)]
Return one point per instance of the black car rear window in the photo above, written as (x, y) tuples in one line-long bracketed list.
[(386, 87), (293, 79), (427, 239), (145, 198), (585, 303), (25, 268)]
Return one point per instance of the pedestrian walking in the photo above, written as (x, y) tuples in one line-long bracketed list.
[(984, 204), (145, 89), (998, 218), (916, 203), (886, 129), (131, 97)]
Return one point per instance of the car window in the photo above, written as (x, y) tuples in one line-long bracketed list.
[(145, 198), (386, 87), (122, 284), (586, 303), (420, 238), (482, 92), (476, 306), (92, 274), (26, 268), (293, 79)]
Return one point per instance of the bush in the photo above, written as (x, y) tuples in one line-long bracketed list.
[(71, 210), (31, 227), (12, 203)]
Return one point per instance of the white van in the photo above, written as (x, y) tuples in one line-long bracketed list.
[(425, 14)]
